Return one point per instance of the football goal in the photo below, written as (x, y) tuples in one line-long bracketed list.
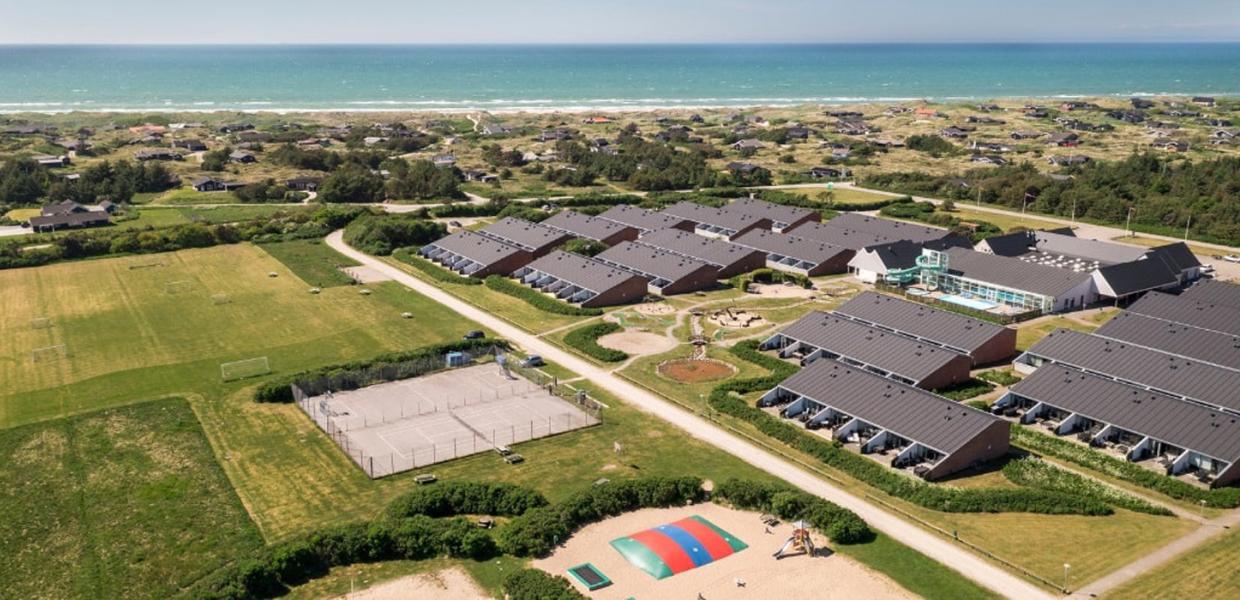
[(221, 299), (49, 353), (242, 369), (40, 323), (177, 287)]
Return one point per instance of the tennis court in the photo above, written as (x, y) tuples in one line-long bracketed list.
[(402, 425)]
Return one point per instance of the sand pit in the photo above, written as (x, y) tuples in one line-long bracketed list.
[(772, 290), (637, 343), (793, 577), (448, 583), (655, 308), (736, 318), (695, 370)]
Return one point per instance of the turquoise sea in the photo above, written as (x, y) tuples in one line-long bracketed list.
[(355, 78)]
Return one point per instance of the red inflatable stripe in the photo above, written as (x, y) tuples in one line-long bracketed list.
[(707, 537), (667, 550)]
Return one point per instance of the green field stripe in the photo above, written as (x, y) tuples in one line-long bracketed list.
[(642, 557)]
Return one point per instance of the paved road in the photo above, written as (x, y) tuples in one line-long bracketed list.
[(932, 545)]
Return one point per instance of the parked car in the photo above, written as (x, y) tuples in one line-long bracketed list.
[(475, 335), (533, 360), (1232, 258)]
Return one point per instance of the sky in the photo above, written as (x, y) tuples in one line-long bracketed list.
[(614, 21)]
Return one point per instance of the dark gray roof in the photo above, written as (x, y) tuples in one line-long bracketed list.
[(1162, 417), (907, 411), (892, 230), (650, 261), (949, 329), (645, 220), (1012, 272), (706, 215), (584, 226), (1138, 276), (69, 219), (475, 247), (836, 236), (884, 350), (784, 244), (779, 214), (1174, 375), (1069, 245), (1212, 291), (713, 252), (1178, 256), (1174, 338), (524, 234), (900, 254), (581, 271), (1189, 311)]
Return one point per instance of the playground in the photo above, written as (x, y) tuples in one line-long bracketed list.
[(734, 559)]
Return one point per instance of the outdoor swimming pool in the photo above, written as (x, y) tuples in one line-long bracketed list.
[(973, 303)]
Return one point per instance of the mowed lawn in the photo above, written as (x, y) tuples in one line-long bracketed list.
[(312, 260), (123, 503), (1206, 573), (129, 329)]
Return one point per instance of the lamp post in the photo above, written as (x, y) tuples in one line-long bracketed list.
[(1128, 223), (1066, 568), (1187, 223), (1203, 509)]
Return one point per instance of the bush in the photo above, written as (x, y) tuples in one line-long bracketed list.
[(841, 525), (1123, 470), (1035, 473), (999, 377), (383, 234), (970, 388), (537, 531), (279, 390), (586, 338), (725, 398), (533, 584), (538, 299), (931, 144), (465, 498), (436, 272), (764, 275)]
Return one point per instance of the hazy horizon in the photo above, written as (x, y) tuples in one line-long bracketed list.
[(644, 22)]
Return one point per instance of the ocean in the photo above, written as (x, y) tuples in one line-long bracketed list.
[(543, 78)]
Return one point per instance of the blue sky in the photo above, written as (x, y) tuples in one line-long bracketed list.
[(615, 21)]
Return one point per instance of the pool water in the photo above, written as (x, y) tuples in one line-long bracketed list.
[(969, 302)]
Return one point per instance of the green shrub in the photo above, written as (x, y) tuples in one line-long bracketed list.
[(839, 524), (969, 388), (465, 498), (538, 299), (586, 338), (279, 390), (533, 584), (764, 275), (1000, 377), (1031, 472), (382, 234), (436, 272), (537, 531), (1123, 470)]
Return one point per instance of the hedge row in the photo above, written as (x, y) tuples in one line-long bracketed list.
[(764, 275), (449, 499), (1123, 470), (841, 525), (586, 338), (278, 390), (532, 584), (1031, 472), (868, 206), (433, 270), (725, 399), (538, 299), (274, 569), (466, 209), (537, 531), (599, 200)]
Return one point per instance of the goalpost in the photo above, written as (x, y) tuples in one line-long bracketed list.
[(242, 369), (221, 299), (177, 287), (40, 323), (49, 353)]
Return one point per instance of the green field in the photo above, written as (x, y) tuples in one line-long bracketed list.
[(846, 196), (313, 261), (124, 503), (1207, 572), (188, 195), (133, 334)]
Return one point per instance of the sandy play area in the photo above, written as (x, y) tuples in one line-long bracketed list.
[(637, 343), (448, 583), (655, 308), (364, 274), (773, 290), (765, 578), (696, 370)]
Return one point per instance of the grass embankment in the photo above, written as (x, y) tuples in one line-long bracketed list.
[(137, 328), (1207, 572), (313, 261), (123, 503)]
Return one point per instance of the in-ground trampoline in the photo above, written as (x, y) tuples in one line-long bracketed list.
[(677, 547)]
